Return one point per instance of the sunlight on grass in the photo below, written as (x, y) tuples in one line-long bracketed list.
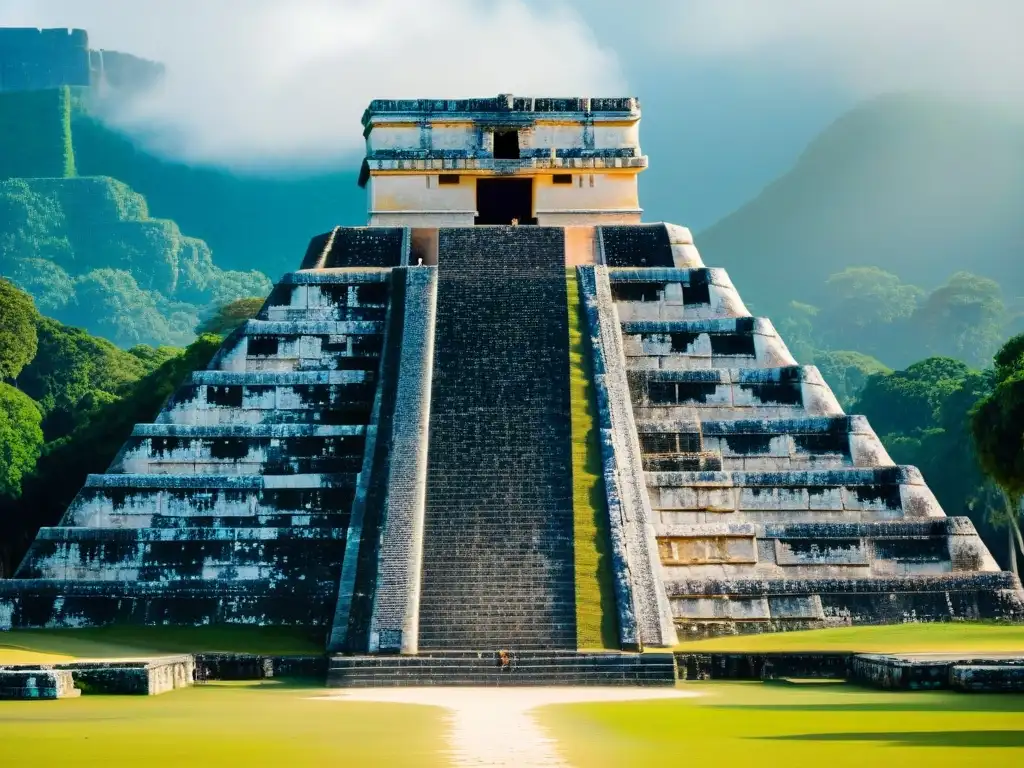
[(52, 645), (950, 637), (793, 725), (252, 724)]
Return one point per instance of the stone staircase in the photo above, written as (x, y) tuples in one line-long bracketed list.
[(498, 553), (233, 506), (486, 669)]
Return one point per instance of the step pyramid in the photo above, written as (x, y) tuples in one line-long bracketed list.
[(384, 452)]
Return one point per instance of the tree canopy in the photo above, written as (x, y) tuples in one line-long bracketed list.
[(227, 317), (998, 421), (21, 438), (18, 339)]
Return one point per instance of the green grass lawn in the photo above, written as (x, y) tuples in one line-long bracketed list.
[(828, 725), (50, 645), (952, 637), (220, 724)]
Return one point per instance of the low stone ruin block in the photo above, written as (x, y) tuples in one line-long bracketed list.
[(36, 684), (988, 678)]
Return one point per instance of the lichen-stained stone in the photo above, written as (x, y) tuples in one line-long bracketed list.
[(17, 684), (733, 433), (641, 597), (234, 505), (674, 294), (283, 480), (498, 556)]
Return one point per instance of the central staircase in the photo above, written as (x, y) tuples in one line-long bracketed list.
[(498, 551)]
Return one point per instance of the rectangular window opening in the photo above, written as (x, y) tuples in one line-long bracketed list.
[(562, 178), (506, 145), (449, 178)]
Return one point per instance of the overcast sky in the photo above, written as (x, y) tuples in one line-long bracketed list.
[(732, 89)]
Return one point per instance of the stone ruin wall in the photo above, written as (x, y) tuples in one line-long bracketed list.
[(40, 59), (36, 59)]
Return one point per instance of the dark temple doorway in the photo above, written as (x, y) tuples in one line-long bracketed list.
[(498, 201)]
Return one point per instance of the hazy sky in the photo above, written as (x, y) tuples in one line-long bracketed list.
[(732, 89)]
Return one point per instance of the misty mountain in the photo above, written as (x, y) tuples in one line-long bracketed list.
[(250, 222), (921, 186)]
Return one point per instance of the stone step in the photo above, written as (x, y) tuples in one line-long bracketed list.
[(715, 606), (262, 345), (357, 247), (486, 668), (243, 449), (696, 344), (822, 550), (137, 501), (674, 294), (340, 402), (160, 554), (888, 491), (731, 393), (497, 558), (35, 603), (648, 246), (332, 294)]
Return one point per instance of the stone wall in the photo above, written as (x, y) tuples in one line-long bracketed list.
[(38, 59)]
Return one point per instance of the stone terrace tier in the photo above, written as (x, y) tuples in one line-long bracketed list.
[(234, 506), (772, 509)]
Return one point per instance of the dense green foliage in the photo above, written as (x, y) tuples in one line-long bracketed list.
[(21, 438), (893, 323), (82, 395), (921, 186), (73, 369), (923, 416), (250, 221), (90, 253), (35, 134), (998, 421), (997, 426), (847, 372), (18, 336), (224, 319)]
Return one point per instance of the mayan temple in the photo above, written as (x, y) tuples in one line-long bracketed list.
[(504, 408)]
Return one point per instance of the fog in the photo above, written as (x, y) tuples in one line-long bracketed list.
[(266, 83), (735, 88)]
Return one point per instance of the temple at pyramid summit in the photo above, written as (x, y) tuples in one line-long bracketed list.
[(506, 417)]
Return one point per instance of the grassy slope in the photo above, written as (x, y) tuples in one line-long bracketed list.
[(793, 725), (919, 186), (596, 625), (35, 134), (49, 645), (923, 638), (266, 724)]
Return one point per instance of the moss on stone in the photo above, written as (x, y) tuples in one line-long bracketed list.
[(596, 623), (37, 124)]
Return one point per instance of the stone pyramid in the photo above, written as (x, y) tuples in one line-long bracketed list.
[(385, 453)]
